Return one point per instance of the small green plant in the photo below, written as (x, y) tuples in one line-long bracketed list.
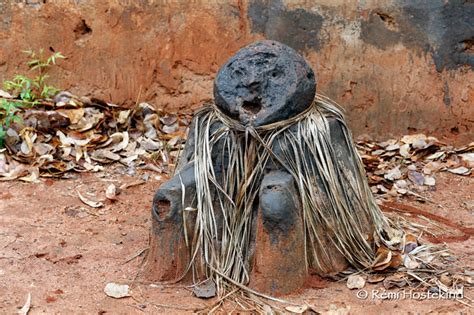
[(28, 90), (31, 89), (7, 117)]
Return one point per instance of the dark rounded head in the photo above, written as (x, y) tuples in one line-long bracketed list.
[(264, 82)]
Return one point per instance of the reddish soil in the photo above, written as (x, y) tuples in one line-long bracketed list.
[(64, 252)]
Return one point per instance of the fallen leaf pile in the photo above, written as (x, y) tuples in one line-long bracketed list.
[(408, 165), (407, 262), (443, 283), (83, 135), (424, 270)]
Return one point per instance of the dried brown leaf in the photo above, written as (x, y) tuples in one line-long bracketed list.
[(375, 278), (26, 308), (383, 259), (90, 203), (74, 115), (205, 290), (416, 178), (398, 280), (460, 171), (111, 192), (355, 282)]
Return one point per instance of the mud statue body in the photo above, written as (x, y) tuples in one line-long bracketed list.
[(264, 83)]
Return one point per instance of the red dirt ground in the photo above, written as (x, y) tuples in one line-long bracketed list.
[(64, 252)]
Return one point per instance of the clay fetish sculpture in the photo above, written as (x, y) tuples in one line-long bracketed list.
[(269, 187)]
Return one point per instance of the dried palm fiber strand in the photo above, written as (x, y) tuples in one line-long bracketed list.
[(345, 208)]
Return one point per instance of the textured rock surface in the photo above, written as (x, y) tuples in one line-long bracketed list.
[(263, 83), (396, 66)]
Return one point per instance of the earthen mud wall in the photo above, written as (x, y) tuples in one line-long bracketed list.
[(395, 66)]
